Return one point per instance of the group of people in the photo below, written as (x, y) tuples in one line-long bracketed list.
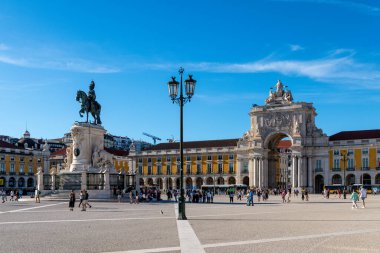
[(198, 196), (13, 195), (355, 197), (83, 200)]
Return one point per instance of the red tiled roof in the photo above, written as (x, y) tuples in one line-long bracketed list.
[(4, 144), (284, 144), (356, 135), (117, 152), (59, 152), (196, 144)]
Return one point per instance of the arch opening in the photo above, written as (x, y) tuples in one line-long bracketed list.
[(279, 146)]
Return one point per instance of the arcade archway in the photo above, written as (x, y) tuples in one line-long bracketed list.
[(319, 183), (189, 183), (350, 179), (279, 159), (365, 179)]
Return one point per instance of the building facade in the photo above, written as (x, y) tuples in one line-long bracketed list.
[(18, 167), (310, 159)]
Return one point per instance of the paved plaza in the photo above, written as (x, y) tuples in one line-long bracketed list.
[(319, 225)]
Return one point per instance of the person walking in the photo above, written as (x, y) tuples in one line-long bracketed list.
[(84, 202), (239, 195), (363, 195), (131, 197), (354, 199), (231, 196), (306, 195), (3, 195), (251, 196), (175, 195), (72, 200), (283, 195), (119, 195), (87, 199), (37, 195), (137, 197), (80, 198)]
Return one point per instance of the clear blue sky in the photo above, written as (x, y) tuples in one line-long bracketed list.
[(327, 52)]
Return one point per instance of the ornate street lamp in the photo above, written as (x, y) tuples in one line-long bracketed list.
[(181, 100), (344, 157)]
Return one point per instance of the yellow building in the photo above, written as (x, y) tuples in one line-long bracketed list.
[(205, 163), (18, 166), (354, 157)]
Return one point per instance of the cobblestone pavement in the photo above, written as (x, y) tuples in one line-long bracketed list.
[(319, 225)]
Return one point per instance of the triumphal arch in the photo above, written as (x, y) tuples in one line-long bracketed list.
[(281, 118)]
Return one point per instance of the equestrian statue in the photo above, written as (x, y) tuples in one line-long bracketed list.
[(89, 104)]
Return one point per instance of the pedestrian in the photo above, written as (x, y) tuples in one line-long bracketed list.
[(131, 197), (12, 194), (258, 195), (176, 195), (354, 199), (3, 195), (231, 196), (17, 193), (114, 192), (87, 199), (306, 195), (119, 195), (251, 196), (303, 194), (363, 195), (84, 202), (239, 195), (137, 197), (37, 195), (80, 198), (72, 200), (283, 195)]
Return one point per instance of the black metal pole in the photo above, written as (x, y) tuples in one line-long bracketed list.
[(344, 176), (181, 203)]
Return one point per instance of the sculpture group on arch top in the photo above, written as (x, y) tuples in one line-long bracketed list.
[(282, 115), (280, 96)]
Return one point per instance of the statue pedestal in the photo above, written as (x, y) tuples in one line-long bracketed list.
[(89, 166), (86, 139)]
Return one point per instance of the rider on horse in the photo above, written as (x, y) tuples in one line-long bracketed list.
[(91, 97)]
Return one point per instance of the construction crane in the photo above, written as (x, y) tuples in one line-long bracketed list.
[(155, 138)]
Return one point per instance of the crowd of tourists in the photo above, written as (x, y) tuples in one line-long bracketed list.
[(14, 195), (204, 196), (83, 200)]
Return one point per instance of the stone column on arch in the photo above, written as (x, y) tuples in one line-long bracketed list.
[(238, 170), (251, 173), (194, 181), (145, 181), (294, 172), (310, 169), (300, 172), (165, 183), (261, 172), (265, 171), (255, 172), (174, 180)]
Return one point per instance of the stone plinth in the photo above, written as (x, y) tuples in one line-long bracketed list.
[(87, 138)]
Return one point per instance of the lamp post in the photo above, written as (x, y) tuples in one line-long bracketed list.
[(344, 157), (181, 100)]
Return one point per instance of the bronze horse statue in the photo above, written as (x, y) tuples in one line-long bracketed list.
[(88, 106)]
